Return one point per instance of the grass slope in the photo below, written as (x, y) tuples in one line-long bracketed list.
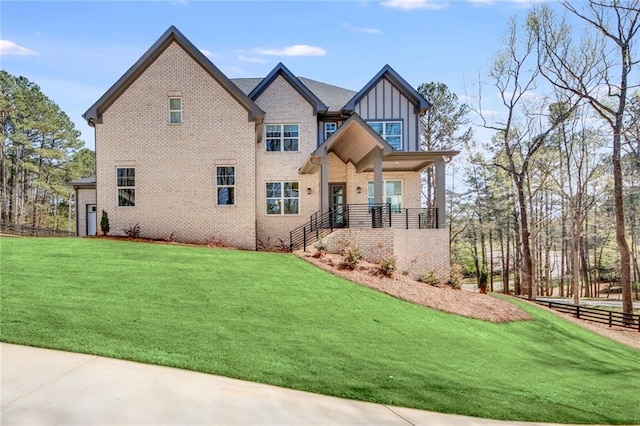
[(275, 319)]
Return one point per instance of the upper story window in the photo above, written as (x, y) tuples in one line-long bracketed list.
[(329, 129), (175, 110), (391, 131), (283, 197), (226, 185), (126, 185), (282, 137)]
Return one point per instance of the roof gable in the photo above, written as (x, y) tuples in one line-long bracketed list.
[(396, 80), (94, 113), (281, 70)]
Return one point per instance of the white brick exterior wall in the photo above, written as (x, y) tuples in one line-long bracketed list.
[(175, 163), (284, 105)]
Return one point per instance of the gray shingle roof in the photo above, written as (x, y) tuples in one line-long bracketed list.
[(333, 97)]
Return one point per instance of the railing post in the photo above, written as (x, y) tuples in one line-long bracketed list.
[(304, 238), (610, 318), (578, 311), (406, 218), (346, 216), (389, 206), (437, 219)]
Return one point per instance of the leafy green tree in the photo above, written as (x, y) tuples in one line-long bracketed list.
[(38, 144)]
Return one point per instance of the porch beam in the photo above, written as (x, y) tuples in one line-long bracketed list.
[(441, 202), (367, 160)]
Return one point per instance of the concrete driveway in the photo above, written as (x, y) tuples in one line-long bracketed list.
[(47, 387)]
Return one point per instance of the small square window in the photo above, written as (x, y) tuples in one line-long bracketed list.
[(329, 129), (283, 198), (282, 137)]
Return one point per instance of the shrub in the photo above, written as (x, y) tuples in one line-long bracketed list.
[(352, 256), (456, 276), (104, 223), (132, 232), (429, 278), (388, 265), (321, 248), (483, 278)]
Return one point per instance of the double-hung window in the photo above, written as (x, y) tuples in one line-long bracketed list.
[(329, 129), (126, 185), (391, 131), (175, 110), (391, 194), (283, 198), (282, 137), (226, 185)]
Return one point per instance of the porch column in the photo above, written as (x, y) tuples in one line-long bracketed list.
[(324, 182), (441, 203), (377, 177)]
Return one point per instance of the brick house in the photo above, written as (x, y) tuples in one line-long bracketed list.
[(183, 150)]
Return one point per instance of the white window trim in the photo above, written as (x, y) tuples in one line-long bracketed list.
[(234, 186), (326, 136), (282, 138), (281, 199), (118, 187), (384, 191), (176, 110), (384, 130)]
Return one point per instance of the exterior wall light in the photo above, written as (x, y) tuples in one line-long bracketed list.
[(359, 190), (309, 191)]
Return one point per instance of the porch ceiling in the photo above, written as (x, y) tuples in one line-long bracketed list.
[(354, 142)]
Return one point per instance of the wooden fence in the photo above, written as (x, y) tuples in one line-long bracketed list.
[(32, 231), (595, 314)]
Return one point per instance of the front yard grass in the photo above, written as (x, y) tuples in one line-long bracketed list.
[(273, 318)]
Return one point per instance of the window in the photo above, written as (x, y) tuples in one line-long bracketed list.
[(283, 197), (126, 184), (329, 129), (391, 131), (282, 137), (226, 185), (175, 110), (391, 194)]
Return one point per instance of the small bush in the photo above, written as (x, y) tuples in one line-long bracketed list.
[(388, 265), (483, 278), (321, 248), (429, 278), (352, 256), (456, 276), (132, 232), (104, 223)]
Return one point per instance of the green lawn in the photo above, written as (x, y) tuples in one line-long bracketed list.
[(275, 319)]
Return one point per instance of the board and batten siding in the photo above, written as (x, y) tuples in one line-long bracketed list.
[(384, 102)]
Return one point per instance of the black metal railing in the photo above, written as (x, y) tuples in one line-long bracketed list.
[(32, 231), (595, 314), (347, 216), (417, 218)]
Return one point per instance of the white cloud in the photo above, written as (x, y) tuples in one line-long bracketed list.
[(255, 60), (414, 4), (10, 48), (295, 50), (363, 30)]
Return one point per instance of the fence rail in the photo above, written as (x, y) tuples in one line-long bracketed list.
[(595, 315), (32, 231)]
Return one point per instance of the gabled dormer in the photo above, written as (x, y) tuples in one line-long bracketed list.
[(392, 108), (281, 70)]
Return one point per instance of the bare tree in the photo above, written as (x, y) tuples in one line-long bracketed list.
[(596, 68), (523, 131)]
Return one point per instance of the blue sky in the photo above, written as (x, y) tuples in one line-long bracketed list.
[(76, 50)]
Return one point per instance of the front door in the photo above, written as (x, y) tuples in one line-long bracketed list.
[(338, 201)]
